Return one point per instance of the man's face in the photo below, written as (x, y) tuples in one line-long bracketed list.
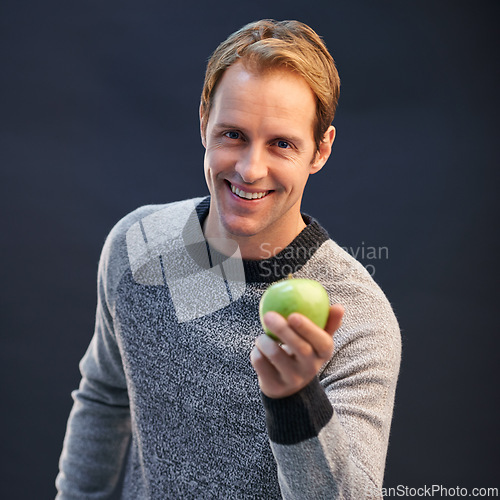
[(260, 151)]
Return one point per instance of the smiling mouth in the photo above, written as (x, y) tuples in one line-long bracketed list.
[(246, 195)]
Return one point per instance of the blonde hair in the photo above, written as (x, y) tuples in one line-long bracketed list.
[(269, 44)]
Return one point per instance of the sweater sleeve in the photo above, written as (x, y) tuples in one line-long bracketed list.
[(330, 439), (98, 429)]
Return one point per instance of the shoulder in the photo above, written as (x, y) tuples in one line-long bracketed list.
[(134, 233)]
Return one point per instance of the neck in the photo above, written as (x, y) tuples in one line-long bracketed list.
[(252, 247)]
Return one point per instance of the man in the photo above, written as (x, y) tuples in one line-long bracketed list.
[(179, 366)]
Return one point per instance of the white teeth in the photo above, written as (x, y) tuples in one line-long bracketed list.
[(248, 196)]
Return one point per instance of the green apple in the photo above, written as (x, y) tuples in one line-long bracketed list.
[(304, 296)]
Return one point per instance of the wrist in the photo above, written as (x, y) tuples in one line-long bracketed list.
[(297, 417)]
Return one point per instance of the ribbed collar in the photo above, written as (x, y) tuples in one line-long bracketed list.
[(289, 260)]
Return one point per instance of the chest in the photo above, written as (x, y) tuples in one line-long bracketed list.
[(193, 368)]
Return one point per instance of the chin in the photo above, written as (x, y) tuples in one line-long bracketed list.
[(239, 230), (240, 226)]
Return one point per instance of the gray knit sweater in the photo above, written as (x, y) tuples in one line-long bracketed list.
[(168, 391)]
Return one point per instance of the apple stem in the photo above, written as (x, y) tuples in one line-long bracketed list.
[(290, 276)]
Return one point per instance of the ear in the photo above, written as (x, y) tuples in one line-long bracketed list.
[(202, 128), (325, 148)]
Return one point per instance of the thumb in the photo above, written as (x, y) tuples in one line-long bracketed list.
[(334, 318)]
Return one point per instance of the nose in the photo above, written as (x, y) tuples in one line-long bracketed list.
[(251, 165)]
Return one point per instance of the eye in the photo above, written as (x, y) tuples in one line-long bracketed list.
[(232, 134), (283, 144)]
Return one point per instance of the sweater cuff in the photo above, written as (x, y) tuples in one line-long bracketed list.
[(298, 417)]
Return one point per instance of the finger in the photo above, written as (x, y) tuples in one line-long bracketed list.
[(276, 323), (265, 370), (295, 344), (270, 380), (291, 371), (272, 351), (318, 341)]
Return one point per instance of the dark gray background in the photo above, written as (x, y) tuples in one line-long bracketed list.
[(99, 114)]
